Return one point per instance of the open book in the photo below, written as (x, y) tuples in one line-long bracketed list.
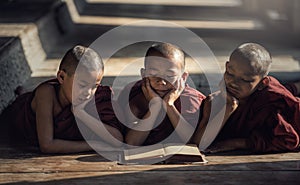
[(163, 154)]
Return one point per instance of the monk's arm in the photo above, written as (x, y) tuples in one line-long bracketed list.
[(183, 128), (106, 132), (221, 113), (140, 129), (206, 106), (44, 101)]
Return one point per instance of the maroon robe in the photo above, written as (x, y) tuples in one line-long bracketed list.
[(188, 105), (65, 126), (292, 88), (270, 120)]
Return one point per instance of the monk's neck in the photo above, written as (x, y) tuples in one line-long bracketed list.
[(62, 99)]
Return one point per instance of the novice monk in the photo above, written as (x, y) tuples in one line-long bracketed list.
[(261, 114), (45, 116), (162, 100)]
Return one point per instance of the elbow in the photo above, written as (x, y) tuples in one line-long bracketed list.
[(118, 142), (293, 145), (47, 148), (132, 142)]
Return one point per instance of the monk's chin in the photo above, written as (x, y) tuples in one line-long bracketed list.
[(232, 92), (161, 93)]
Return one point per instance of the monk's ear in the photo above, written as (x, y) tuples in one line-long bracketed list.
[(185, 76), (143, 71), (61, 76), (264, 83)]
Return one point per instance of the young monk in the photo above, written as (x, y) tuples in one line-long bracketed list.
[(261, 115), (161, 101), (44, 117)]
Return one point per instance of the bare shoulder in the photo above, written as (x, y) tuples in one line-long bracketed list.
[(44, 96), (45, 91)]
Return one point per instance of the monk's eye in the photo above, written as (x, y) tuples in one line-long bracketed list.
[(82, 85), (228, 74), (247, 81)]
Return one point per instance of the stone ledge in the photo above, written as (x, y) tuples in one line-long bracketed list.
[(14, 70), (28, 30)]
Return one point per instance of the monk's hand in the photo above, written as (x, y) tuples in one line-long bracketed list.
[(227, 145), (175, 93), (148, 92), (80, 107), (231, 102), (214, 100)]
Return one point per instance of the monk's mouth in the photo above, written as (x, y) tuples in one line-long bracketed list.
[(161, 92), (232, 91)]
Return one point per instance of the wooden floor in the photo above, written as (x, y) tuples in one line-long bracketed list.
[(20, 164), (25, 165)]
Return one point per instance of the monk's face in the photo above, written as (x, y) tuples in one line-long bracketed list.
[(240, 78), (84, 86), (163, 73)]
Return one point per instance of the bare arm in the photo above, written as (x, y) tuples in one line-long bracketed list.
[(140, 131), (203, 122), (218, 116), (183, 128), (106, 132), (141, 128), (44, 109)]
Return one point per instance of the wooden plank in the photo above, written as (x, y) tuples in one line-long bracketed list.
[(32, 163), (150, 177)]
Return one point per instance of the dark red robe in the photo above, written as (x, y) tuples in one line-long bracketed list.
[(188, 105), (292, 88), (269, 120), (65, 126)]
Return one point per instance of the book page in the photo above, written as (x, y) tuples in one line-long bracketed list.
[(172, 153), (172, 149), (144, 152)]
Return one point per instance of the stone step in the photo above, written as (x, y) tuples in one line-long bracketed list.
[(28, 29), (39, 14), (205, 3), (231, 18), (176, 9), (239, 24), (107, 13)]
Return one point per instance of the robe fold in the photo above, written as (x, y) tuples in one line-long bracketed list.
[(269, 120)]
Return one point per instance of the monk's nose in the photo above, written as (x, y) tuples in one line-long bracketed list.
[(161, 81)]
